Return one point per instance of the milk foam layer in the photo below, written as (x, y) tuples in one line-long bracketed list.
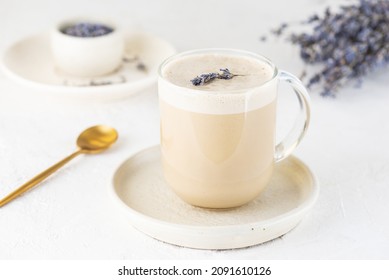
[(254, 89)]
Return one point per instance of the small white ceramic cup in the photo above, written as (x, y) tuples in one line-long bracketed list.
[(87, 56)]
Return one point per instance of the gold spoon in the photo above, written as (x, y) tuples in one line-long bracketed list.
[(93, 140)]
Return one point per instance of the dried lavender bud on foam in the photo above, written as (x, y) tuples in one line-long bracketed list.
[(226, 74), (206, 78)]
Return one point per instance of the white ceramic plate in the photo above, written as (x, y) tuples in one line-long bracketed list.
[(29, 62), (139, 189)]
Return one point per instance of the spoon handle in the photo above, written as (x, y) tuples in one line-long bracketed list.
[(37, 179)]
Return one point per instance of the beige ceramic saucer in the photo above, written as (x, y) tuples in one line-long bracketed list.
[(30, 63), (140, 191)]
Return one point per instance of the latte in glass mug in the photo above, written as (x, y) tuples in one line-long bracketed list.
[(218, 138)]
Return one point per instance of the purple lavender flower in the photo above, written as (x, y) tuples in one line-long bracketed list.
[(203, 79), (86, 29), (206, 78), (348, 44), (226, 74)]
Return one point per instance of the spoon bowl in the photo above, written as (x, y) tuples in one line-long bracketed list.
[(97, 139)]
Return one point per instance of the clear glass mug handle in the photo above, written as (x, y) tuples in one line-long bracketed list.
[(296, 134)]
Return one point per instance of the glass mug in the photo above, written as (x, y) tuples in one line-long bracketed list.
[(218, 147)]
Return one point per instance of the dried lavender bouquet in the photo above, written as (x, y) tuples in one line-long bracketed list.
[(348, 44)]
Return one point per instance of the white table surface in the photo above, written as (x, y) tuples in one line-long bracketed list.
[(71, 216)]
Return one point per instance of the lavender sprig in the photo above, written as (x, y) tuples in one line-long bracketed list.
[(348, 44), (206, 78)]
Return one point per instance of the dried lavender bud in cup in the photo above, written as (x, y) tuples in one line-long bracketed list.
[(347, 44), (87, 30)]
